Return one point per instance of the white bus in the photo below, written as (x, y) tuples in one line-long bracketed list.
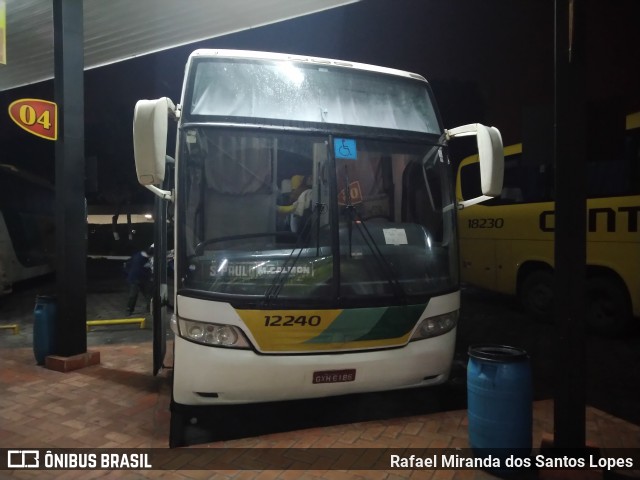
[(315, 227), (27, 227)]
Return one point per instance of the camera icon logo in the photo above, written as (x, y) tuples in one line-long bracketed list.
[(23, 459)]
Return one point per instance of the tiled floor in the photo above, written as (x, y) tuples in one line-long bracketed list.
[(119, 404)]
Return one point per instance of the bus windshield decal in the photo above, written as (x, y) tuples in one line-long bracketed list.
[(395, 236), (345, 148), (257, 269)]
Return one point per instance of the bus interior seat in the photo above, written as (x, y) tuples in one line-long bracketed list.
[(240, 194), (241, 214)]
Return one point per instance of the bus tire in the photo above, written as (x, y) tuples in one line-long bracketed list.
[(536, 295), (608, 306), (177, 428)]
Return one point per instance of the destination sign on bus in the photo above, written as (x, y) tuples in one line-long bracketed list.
[(257, 269)]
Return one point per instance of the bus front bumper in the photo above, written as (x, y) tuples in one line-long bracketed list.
[(205, 375)]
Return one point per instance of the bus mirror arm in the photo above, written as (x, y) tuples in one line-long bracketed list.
[(491, 158), (473, 201), (164, 194)]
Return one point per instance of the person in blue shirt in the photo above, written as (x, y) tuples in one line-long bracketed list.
[(139, 277)]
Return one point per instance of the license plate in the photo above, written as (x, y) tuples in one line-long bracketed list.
[(334, 376)]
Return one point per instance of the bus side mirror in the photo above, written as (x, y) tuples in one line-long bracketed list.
[(491, 158), (150, 126)]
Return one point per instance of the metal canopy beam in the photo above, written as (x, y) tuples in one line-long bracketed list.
[(117, 30)]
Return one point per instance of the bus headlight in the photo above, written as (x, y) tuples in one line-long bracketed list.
[(434, 326), (173, 324), (212, 334)]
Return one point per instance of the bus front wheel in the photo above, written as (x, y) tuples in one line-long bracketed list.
[(177, 427), (536, 294), (608, 306)]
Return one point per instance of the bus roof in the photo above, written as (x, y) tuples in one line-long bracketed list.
[(249, 54)]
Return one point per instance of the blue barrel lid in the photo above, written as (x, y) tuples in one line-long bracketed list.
[(46, 298), (498, 353)]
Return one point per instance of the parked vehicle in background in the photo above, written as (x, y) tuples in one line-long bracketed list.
[(27, 227), (117, 236), (506, 243)]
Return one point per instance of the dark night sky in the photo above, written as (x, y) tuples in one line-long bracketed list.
[(487, 61)]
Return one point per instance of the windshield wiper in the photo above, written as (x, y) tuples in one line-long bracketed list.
[(290, 262), (385, 266)]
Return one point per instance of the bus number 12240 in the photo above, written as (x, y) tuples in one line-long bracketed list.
[(291, 320)]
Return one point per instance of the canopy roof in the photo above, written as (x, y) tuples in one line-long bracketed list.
[(120, 29)]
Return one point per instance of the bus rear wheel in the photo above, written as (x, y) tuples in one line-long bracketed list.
[(536, 295), (608, 306)]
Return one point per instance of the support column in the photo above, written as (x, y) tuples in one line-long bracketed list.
[(570, 220), (71, 226)]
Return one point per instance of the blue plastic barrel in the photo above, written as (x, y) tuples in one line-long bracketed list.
[(499, 401), (45, 313)]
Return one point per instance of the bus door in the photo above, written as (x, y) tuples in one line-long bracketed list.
[(478, 261), (477, 244), (160, 293)]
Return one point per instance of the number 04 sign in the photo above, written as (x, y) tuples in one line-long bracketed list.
[(39, 117)]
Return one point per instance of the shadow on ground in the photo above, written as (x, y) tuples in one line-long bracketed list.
[(211, 424)]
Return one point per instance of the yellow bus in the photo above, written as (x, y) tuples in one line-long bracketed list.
[(506, 243)]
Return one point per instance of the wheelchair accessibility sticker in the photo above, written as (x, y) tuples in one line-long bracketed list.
[(345, 148)]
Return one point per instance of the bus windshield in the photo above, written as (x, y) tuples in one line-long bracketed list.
[(268, 91), (295, 218)]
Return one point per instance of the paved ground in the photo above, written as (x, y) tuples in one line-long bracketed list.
[(611, 364), (119, 404)]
